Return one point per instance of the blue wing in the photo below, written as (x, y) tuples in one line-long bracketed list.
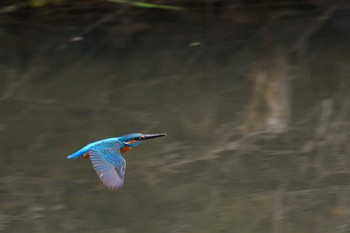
[(109, 164)]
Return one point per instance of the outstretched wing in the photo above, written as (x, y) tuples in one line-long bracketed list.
[(109, 165)]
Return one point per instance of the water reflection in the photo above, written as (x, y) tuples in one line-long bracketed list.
[(260, 149)]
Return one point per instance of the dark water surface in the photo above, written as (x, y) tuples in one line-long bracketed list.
[(256, 142)]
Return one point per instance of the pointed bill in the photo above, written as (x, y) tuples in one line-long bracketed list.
[(149, 136)]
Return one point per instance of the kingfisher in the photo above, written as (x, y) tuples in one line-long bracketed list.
[(106, 156)]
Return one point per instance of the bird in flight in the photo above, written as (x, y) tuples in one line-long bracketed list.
[(106, 156)]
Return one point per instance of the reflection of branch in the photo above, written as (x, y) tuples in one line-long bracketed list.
[(272, 19), (17, 80), (225, 144), (9, 9), (327, 145), (103, 20), (310, 29), (278, 211), (341, 118)]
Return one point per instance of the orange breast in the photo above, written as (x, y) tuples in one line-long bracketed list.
[(124, 149)]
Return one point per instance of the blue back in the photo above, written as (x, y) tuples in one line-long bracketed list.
[(94, 145), (99, 144)]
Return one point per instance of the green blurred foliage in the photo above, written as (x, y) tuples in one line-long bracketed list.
[(147, 5), (41, 3)]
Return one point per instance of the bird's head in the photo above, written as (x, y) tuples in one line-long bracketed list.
[(131, 140)]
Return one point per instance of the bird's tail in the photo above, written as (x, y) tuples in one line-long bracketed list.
[(73, 156), (79, 153)]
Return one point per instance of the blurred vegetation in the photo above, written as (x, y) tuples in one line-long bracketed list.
[(191, 5)]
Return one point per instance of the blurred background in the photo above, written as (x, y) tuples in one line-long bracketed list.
[(254, 96)]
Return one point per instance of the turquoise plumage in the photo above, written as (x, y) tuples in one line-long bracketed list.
[(106, 156)]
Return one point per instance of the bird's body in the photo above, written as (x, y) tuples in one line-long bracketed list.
[(106, 156)]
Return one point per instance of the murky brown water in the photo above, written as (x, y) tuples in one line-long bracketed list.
[(241, 155)]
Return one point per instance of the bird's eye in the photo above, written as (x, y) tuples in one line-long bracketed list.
[(141, 137)]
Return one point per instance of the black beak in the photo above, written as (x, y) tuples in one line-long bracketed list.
[(149, 136)]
